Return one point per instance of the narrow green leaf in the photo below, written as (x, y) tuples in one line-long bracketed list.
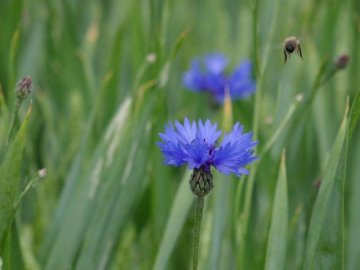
[(331, 243), (178, 44), (276, 248), (354, 114), (179, 212), (280, 129), (322, 199), (114, 201), (164, 73), (221, 196), (77, 204), (12, 56), (3, 106), (12, 253), (353, 243), (330, 250), (9, 178)]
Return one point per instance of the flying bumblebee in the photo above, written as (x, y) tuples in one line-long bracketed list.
[(290, 45)]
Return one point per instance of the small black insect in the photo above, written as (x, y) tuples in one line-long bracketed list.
[(291, 44)]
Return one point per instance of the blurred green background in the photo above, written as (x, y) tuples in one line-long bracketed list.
[(107, 78)]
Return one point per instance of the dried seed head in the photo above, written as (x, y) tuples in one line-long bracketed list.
[(201, 182), (42, 173), (23, 88), (151, 58), (342, 61), (299, 97)]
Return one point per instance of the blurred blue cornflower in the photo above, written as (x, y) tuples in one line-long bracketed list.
[(195, 144), (208, 75)]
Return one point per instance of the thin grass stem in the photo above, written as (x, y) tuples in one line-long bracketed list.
[(12, 123)]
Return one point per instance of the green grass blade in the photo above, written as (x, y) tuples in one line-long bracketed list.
[(221, 194), (9, 178), (178, 214), (276, 248), (75, 212), (115, 200), (12, 256), (322, 200), (354, 114), (330, 251), (12, 57), (331, 244), (282, 127), (353, 245)]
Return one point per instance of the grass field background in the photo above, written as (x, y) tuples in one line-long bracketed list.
[(107, 77)]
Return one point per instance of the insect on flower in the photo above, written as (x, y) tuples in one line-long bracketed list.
[(290, 45), (195, 144)]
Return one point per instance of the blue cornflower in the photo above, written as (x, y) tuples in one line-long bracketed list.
[(208, 75), (195, 144)]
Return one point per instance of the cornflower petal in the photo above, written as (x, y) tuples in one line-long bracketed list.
[(213, 79), (194, 144), (216, 84), (169, 135), (215, 63), (234, 135), (208, 132), (231, 158), (241, 84), (194, 79), (197, 154), (174, 154), (187, 133)]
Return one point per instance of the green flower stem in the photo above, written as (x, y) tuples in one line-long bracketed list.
[(32, 183), (199, 206), (12, 124), (318, 82)]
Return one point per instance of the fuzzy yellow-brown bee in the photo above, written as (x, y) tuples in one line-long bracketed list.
[(290, 45)]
